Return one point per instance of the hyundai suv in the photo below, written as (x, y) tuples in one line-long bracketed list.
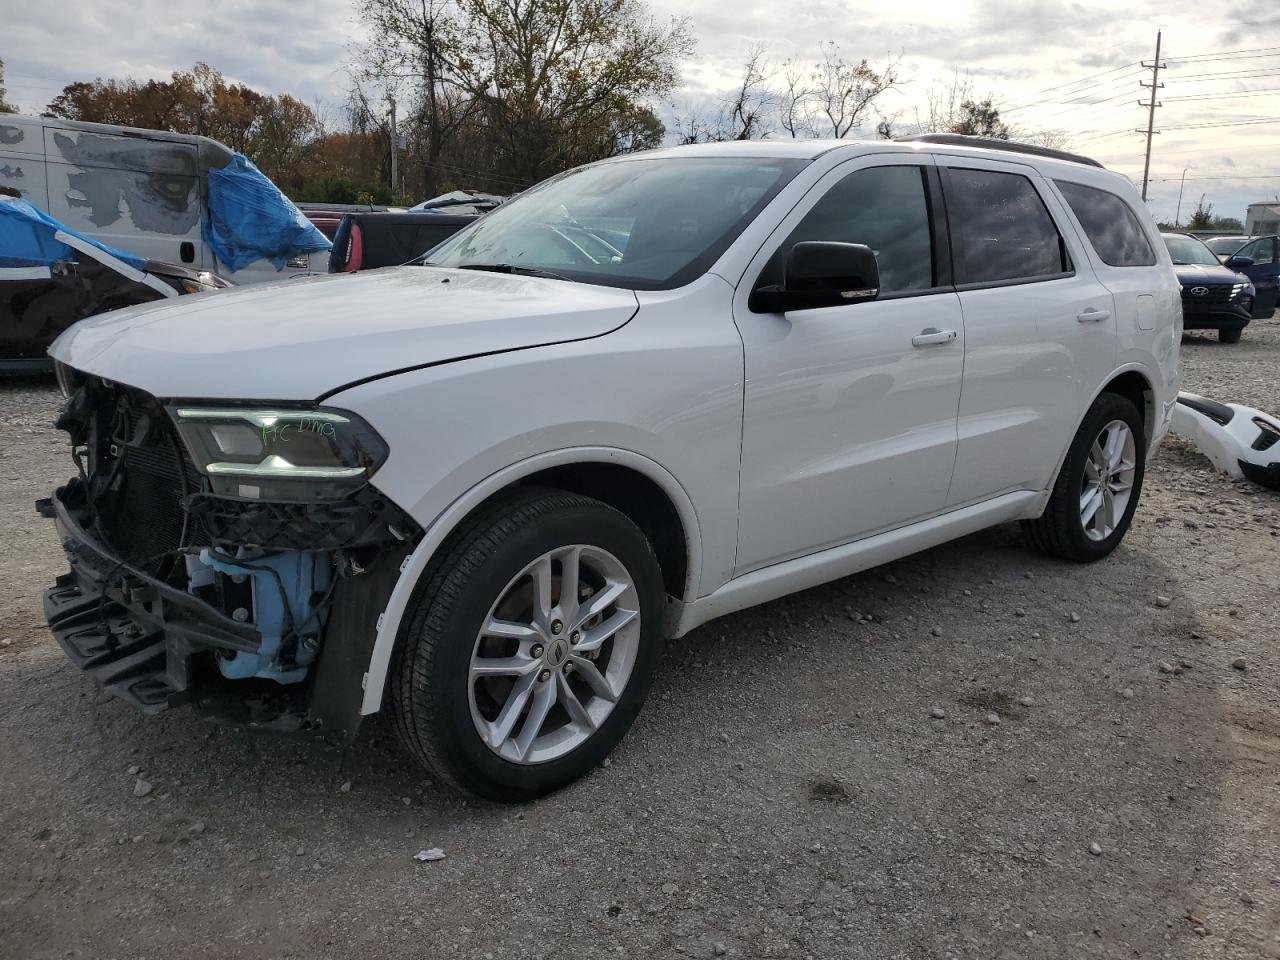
[(482, 493)]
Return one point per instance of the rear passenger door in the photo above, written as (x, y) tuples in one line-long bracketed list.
[(1039, 328)]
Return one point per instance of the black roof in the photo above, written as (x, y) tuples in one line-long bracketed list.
[(991, 143)]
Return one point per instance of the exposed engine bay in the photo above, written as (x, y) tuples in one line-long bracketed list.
[(232, 558)]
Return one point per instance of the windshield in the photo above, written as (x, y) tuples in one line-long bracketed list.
[(1225, 245), (648, 224), (1186, 250)]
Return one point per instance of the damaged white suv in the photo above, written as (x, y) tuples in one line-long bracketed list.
[(482, 491)]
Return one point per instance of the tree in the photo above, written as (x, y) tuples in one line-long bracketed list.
[(5, 105), (415, 47), (538, 71), (980, 119), (1202, 218), (278, 132), (843, 90)]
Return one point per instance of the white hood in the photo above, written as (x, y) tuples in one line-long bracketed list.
[(301, 339)]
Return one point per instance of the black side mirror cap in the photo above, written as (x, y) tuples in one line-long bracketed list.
[(820, 273), (1238, 263)]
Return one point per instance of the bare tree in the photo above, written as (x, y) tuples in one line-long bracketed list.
[(844, 90), (795, 99), (747, 109)]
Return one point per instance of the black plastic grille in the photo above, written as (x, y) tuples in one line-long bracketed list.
[(1214, 293)]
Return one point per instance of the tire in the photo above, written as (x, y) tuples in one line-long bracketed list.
[(485, 577), (1062, 530), (1229, 336)]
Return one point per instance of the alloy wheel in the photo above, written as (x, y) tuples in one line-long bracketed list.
[(1107, 484), (554, 654)]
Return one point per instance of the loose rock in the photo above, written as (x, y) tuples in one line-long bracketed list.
[(427, 856), (1163, 601), (938, 713), (1239, 663), (141, 788), (1095, 849), (993, 719), (1165, 666)]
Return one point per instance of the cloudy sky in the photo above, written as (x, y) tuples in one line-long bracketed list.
[(1051, 65)]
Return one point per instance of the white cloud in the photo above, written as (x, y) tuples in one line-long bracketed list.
[(1014, 49)]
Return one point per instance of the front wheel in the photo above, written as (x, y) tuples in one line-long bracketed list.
[(1229, 336), (531, 647), (1097, 490)]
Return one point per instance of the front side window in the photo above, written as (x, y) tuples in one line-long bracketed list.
[(885, 208), (1260, 251), (1185, 250), (647, 224), (1000, 229), (1109, 224)]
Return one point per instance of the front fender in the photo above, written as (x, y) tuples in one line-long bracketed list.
[(436, 532)]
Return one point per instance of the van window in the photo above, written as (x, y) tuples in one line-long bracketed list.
[(1109, 224), (1000, 228), (882, 207)]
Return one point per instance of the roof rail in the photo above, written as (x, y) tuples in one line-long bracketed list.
[(991, 143)]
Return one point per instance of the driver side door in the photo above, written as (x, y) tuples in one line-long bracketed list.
[(849, 418), (1265, 274)]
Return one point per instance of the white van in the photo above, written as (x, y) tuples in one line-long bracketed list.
[(141, 191)]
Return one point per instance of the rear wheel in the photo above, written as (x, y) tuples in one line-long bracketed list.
[(532, 646), (1229, 336), (1097, 490)]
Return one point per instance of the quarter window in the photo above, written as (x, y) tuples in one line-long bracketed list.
[(884, 208), (1109, 224), (1000, 229)]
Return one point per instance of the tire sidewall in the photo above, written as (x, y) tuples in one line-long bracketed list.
[(472, 763), (1106, 408)]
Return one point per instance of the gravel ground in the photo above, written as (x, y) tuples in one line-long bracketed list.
[(790, 790)]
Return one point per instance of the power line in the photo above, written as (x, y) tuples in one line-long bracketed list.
[(1035, 97), (1226, 55), (1271, 91)]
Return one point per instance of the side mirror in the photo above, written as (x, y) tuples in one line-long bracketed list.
[(820, 273), (1238, 263)]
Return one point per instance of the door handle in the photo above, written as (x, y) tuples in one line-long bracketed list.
[(932, 335), (1093, 315)]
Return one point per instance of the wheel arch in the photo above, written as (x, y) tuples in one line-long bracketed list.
[(630, 482), (1130, 381)]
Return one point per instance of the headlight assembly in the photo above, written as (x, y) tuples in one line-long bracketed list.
[(279, 452)]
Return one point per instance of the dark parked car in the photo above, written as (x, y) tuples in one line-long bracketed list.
[(1214, 297), (51, 276), (365, 241), (1224, 247), (1259, 260)]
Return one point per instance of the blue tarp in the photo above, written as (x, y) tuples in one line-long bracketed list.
[(26, 238), (251, 220)]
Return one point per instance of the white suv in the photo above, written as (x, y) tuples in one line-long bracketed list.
[(647, 393)]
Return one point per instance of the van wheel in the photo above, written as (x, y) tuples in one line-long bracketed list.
[(531, 647), (1097, 490), (1229, 336)]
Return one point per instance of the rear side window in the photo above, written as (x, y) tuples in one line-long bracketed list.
[(1000, 229), (1109, 224)]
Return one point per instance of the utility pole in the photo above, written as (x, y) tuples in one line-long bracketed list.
[(1155, 85), (395, 149), (1177, 217)]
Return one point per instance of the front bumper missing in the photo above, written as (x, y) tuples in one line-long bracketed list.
[(133, 634)]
